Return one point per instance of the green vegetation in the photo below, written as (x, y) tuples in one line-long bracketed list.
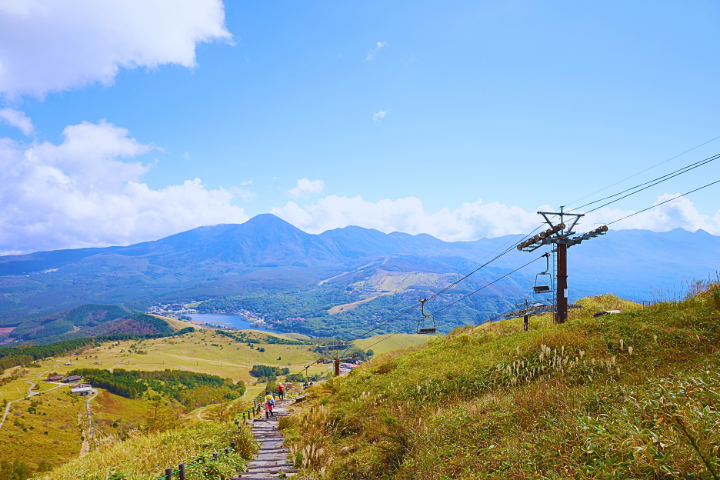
[(267, 371), (629, 395), (23, 439), (146, 456), (190, 389), (254, 337)]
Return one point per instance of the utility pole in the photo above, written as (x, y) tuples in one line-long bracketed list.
[(560, 236), (337, 361)]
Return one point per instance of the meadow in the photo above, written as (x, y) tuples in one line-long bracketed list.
[(54, 431)]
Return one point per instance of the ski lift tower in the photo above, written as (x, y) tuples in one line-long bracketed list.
[(559, 235)]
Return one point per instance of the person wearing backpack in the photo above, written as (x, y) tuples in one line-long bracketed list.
[(269, 403), (281, 391)]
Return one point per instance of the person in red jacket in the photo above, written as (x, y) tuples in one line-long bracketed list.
[(281, 391)]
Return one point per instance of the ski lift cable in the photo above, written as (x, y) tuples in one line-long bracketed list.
[(504, 252), (642, 171), (519, 268), (651, 183), (664, 202), (485, 286)]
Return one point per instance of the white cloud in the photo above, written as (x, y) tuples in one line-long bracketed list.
[(244, 194), (680, 213), (17, 119), (80, 193), (187, 157), (473, 220), (47, 46), (306, 188), (374, 51), (469, 222), (380, 115), (246, 183)]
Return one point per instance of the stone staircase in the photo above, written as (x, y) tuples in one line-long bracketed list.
[(272, 460)]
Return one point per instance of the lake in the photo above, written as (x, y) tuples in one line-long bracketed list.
[(237, 321)]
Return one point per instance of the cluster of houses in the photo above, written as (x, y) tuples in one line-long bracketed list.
[(174, 309), (81, 389)]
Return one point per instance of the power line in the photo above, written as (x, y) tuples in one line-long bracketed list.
[(484, 287), (643, 171), (650, 183), (664, 202), (504, 252)]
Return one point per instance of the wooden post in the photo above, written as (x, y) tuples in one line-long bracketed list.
[(232, 445), (525, 322), (227, 451), (181, 467), (168, 474)]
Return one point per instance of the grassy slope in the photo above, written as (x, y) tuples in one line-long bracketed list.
[(381, 344), (56, 414), (628, 395), (146, 456), (202, 351)]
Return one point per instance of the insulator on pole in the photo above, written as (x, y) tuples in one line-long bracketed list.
[(520, 247), (543, 235)]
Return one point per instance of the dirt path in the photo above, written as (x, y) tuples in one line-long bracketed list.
[(272, 460), (30, 393), (85, 449), (200, 416)]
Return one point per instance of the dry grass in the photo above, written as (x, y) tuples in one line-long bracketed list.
[(619, 396), (147, 456)]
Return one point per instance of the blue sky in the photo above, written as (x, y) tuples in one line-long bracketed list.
[(416, 107)]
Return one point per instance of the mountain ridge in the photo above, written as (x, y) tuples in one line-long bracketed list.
[(268, 256)]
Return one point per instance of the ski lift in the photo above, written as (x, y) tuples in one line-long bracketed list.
[(422, 328), (543, 279)]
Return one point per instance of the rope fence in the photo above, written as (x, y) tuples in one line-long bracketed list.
[(251, 413), (169, 472)]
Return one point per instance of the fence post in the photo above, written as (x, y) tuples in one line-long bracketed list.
[(181, 467), (168, 474), (227, 451), (232, 445)]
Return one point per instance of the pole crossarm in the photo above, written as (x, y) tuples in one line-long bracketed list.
[(528, 309)]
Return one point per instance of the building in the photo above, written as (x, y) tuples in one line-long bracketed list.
[(73, 378), (82, 389), (67, 364), (55, 378)]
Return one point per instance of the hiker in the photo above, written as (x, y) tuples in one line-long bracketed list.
[(281, 391), (269, 403)]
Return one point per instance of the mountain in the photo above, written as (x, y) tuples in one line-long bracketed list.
[(341, 279), (86, 321)]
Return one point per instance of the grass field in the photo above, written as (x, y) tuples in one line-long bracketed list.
[(43, 427), (23, 435)]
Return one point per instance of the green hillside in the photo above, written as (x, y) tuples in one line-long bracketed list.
[(629, 395), (87, 321)]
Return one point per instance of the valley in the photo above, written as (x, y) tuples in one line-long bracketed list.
[(50, 427)]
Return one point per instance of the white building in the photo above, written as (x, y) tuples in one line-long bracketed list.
[(82, 389)]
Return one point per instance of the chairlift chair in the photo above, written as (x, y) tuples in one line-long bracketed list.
[(422, 328), (541, 285)]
